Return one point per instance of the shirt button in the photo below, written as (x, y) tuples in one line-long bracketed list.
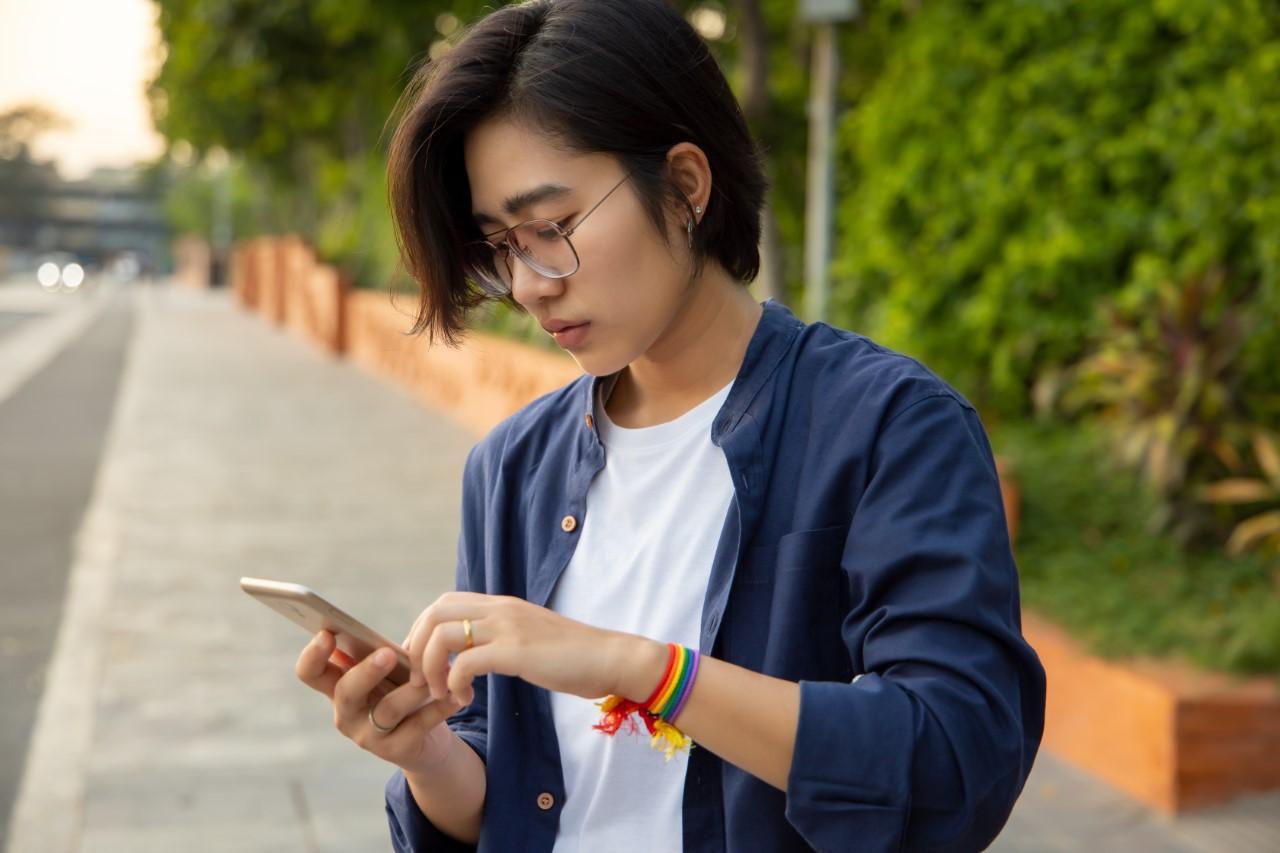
[(546, 801), (590, 422), (568, 524)]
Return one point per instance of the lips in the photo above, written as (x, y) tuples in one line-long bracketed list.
[(553, 326), (569, 337)]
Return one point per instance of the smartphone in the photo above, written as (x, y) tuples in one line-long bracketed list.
[(306, 607)]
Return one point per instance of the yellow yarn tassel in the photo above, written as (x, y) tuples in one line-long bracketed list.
[(674, 739)]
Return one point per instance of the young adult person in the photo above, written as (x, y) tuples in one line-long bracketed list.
[(778, 545)]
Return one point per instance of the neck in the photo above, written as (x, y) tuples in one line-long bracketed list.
[(697, 355)]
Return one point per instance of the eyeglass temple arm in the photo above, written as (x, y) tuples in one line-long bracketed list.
[(583, 219)]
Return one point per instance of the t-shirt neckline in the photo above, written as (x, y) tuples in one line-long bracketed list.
[(700, 417)]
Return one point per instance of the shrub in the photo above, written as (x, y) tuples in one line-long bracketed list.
[(1019, 159)]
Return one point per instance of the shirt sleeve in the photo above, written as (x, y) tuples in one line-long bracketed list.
[(929, 747), (411, 831)]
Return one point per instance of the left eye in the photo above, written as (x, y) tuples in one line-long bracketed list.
[(551, 233)]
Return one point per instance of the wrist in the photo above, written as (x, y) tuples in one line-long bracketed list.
[(642, 664), (439, 746)]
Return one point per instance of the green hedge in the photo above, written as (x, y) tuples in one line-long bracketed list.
[(1017, 160), (1087, 559)]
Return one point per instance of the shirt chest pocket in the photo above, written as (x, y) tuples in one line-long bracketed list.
[(802, 552), (791, 601)]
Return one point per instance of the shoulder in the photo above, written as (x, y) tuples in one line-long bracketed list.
[(854, 373), (542, 425)]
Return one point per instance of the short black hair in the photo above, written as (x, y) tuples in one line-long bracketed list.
[(630, 78)]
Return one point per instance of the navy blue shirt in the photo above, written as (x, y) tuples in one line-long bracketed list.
[(864, 555)]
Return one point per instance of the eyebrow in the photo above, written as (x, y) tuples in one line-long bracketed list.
[(520, 201)]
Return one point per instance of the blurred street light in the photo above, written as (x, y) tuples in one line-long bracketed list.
[(72, 275), (48, 274)]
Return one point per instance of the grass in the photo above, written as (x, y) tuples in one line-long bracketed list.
[(1088, 561)]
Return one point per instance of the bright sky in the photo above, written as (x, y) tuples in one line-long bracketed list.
[(88, 60)]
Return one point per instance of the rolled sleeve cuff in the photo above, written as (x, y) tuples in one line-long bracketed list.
[(411, 831), (849, 775)]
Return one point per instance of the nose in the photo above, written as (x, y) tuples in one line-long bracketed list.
[(529, 287)]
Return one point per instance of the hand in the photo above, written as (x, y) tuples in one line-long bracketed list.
[(418, 741), (512, 637)]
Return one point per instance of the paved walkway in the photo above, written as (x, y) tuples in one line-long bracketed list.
[(172, 719)]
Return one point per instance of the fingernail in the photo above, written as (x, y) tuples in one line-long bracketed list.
[(383, 657)]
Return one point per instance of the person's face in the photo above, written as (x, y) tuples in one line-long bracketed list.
[(629, 285)]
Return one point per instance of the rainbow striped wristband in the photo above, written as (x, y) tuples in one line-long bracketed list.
[(677, 682), (659, 709)]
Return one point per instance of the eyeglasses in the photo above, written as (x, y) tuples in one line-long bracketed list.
[(543, 245)]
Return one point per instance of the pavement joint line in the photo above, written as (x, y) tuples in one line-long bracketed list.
[(48, 812), (299, 797)]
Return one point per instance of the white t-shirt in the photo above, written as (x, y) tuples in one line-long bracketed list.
[(649, 534)]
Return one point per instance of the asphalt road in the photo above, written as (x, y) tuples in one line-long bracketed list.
[(52, 429)]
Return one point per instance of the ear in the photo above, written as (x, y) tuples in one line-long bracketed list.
[(691, 172)]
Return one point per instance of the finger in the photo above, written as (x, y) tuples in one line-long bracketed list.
[(352, 692), (405, 740), (450, 607), (421, 633), (313, 667), (417, 638), (409, 636), (447, 638), (397, 703), (467, 666)]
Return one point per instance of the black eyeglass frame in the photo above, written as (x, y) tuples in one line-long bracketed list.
[(506, 250)]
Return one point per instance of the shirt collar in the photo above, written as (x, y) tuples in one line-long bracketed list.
[(771, 339)]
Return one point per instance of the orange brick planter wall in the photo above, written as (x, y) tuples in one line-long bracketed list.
[(295, 259), (480, 383), (281, 278), (1172, 737), (314, 294), (266, 275), (243, 287)]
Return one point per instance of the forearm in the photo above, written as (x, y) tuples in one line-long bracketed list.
[(451, 794), (746, 718)]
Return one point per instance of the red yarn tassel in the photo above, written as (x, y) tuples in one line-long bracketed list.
[(616, 712)]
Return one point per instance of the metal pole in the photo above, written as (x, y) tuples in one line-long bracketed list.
[(819, 193), (222, 231)]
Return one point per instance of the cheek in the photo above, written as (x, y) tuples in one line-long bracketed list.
[(631, 287), (634, 282)]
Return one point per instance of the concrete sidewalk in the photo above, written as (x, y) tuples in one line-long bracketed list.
[(172, 718)]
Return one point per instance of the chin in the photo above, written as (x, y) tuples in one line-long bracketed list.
[(599, 364)]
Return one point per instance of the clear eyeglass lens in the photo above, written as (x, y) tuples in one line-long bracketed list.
[(540, 244), (490, 268)]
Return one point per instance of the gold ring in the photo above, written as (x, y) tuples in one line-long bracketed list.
[(466, 629)]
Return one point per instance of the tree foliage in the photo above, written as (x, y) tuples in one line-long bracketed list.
[(1019, 160)]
